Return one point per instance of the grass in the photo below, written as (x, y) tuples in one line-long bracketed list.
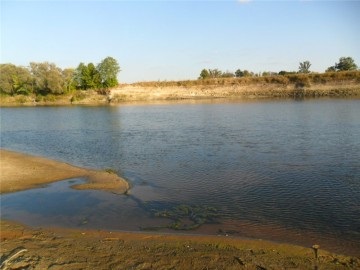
[(306, 79)]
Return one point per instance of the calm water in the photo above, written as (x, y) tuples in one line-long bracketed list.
[(278, 170)]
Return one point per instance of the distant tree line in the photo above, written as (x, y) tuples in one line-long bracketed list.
[(46, 78), (344, 64)]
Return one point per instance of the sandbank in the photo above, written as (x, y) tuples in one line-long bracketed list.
[(20, 171)]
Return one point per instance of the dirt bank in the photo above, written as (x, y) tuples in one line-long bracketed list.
[(27, 248), (20, 171)]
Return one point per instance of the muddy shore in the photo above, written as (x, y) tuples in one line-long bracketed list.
[(23, 247)]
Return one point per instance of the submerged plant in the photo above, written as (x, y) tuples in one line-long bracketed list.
[(187, 217)]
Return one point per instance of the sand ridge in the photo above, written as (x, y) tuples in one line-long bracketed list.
[(20, 171)]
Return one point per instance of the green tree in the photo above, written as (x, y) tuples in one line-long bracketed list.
[(215, 73), (239, 73), (108, 70), (331, 69), (14, 79), (47, 77), (247, 73), (304, 67), (345, 63), (204, 74), (69, 81), (94, 80), (228, 74), (81, 76)]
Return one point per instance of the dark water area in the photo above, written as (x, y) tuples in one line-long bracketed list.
[(280, 170)]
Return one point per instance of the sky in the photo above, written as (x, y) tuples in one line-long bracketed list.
[(175, 40)]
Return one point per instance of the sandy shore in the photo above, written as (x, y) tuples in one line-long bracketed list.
[(20, 171), (58, 248), (29, 248)]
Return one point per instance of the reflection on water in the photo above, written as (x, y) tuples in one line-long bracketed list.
[(280, 170)]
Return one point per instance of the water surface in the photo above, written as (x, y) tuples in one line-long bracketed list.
[(280, 170)]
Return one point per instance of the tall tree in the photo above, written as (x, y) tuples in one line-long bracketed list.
[(81, 76), (345, 63), (108, 70), (304, 67)]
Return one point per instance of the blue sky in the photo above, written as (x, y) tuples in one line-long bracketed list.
[(175, 40)]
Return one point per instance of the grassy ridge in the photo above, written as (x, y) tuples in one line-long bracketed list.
[(306, 79)]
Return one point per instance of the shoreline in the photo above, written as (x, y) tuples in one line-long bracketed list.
[(22, 246), (99, 249), (22, 171), (164, 91)]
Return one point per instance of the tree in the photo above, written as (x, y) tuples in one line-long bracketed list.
[(247, 73), (215, 73), (331, 69), (239, 73), (81, 76), (69, 82), (14, 79), (346, 63), (94, 80), (304, 67), (108, 70), (228, 74), (47, 77), (204, 74)]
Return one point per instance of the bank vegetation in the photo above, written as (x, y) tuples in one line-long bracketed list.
[(46, 84)]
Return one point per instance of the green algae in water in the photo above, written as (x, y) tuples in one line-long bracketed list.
[(187, 217)]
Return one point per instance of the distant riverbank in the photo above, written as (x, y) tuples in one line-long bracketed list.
[(345, 84)]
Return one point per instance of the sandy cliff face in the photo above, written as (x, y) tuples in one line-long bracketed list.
[(132, 93)]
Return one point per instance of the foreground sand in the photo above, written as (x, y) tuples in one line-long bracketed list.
[(26, 248), (20, 171), (55, 248)]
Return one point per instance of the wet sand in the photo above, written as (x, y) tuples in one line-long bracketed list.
[(29, 248), (23, 247), (21, 171)]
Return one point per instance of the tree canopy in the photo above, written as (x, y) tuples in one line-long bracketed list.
[(46, 78), (14, 79), (108, 70), (345, 63), (304, 67)]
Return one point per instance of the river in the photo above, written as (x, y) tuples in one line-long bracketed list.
[(282, 170)]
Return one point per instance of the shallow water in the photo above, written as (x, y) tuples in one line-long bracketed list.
[(280, 170)]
